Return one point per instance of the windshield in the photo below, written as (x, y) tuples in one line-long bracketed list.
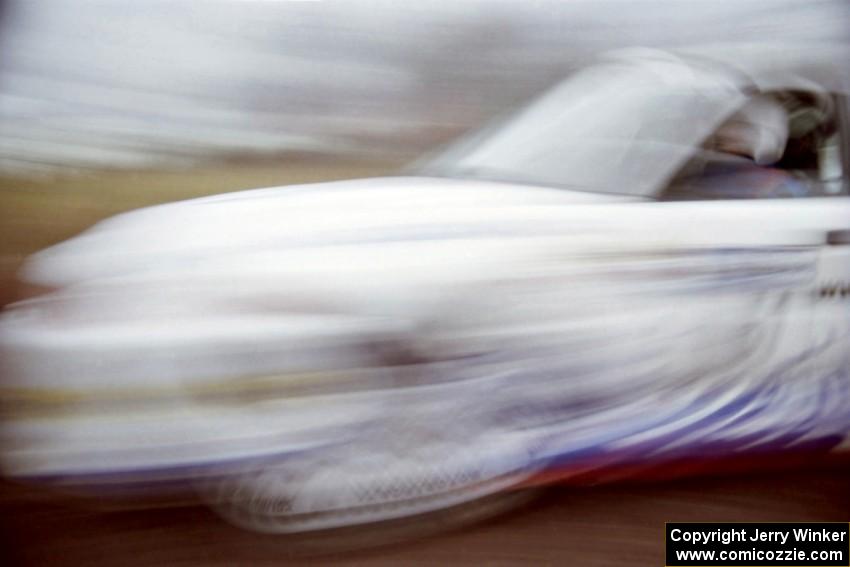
[(621, 127)]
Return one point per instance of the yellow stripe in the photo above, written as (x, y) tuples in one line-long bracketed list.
[(45, 401)]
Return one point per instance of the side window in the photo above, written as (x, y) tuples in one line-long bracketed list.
[(778, 145)]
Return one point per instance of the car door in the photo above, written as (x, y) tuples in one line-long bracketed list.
[(793, 268)]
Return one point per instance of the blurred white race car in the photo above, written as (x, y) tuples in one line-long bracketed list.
[(649, 264)]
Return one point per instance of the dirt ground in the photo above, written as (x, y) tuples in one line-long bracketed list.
[(613, 525)]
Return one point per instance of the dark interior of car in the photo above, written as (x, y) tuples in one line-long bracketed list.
[(811, 164)]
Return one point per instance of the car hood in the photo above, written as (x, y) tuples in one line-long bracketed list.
[(337, 214)]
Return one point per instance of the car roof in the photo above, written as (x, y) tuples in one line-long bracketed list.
[(626, 124)]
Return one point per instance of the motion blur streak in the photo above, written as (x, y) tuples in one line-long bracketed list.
[(647, 265), (132, 84)]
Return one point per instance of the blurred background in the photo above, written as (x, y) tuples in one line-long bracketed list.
[(110, 105)]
